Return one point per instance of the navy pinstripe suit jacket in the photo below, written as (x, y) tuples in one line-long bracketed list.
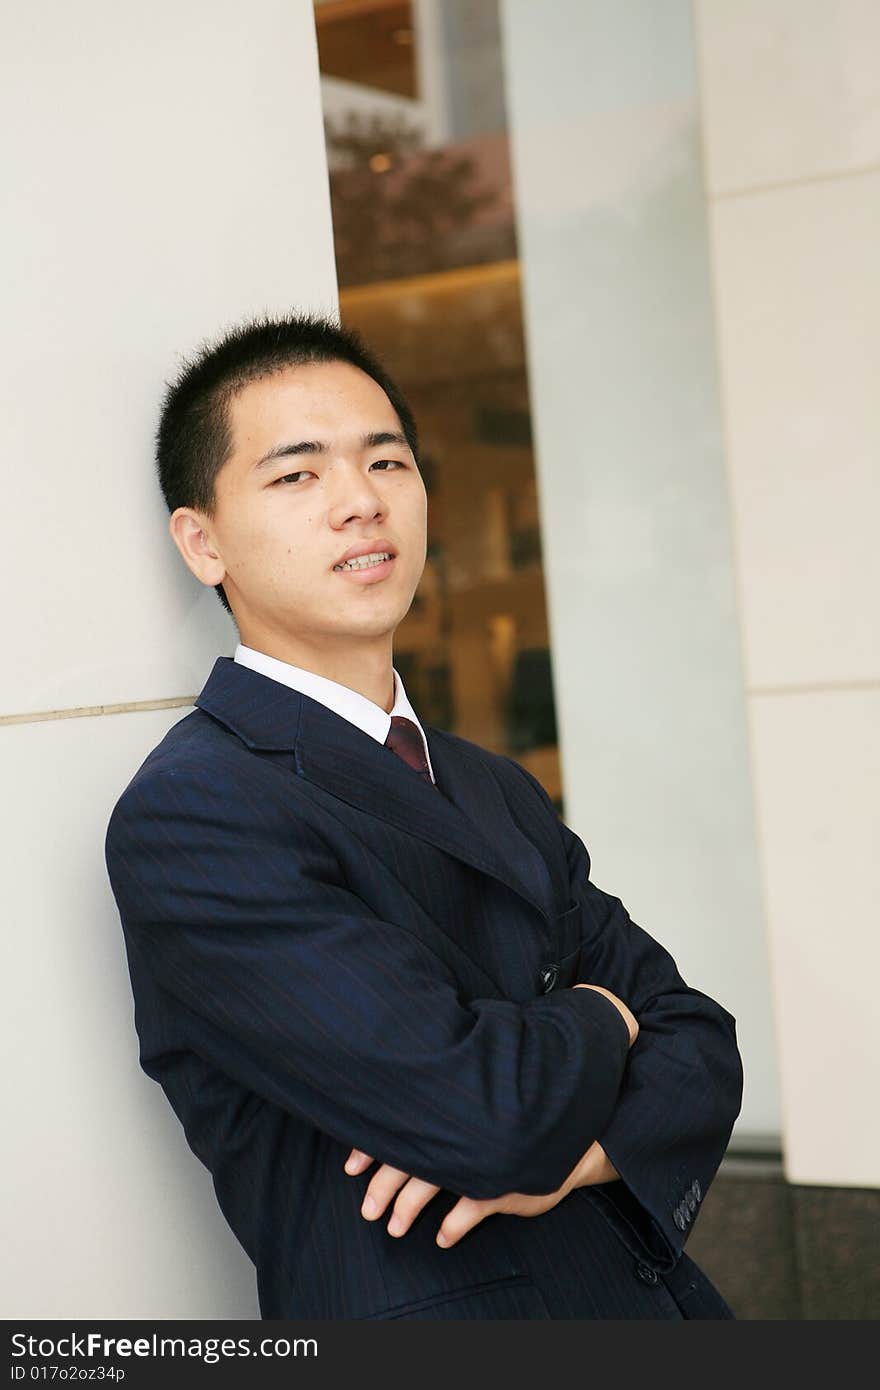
[(326, 951)]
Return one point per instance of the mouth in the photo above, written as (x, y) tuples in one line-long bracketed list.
[(367, 569)]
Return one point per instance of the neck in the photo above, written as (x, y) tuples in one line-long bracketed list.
[(365, 667)]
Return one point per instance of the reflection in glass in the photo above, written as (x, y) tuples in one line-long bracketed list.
[(428, 273)]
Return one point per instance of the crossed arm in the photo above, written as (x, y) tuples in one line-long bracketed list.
[(271, 969), (680, 1093), (413, 1194)]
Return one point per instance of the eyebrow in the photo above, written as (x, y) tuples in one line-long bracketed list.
[(315, 446)]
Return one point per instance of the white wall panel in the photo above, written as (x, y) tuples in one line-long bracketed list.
[(818, 779), (798, 295), (113, 1215), (166, 177), (791, 104), (789, 89)]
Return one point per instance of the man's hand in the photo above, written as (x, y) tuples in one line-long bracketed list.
[(414, 1194), (629, 1018)]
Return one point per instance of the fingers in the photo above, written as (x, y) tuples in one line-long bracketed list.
[(385, 1182), (383, 1185), (414, 1195), (463, 1217)]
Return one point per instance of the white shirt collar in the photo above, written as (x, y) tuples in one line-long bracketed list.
[(348, 703)]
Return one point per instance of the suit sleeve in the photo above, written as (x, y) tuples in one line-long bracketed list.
[(270, 968), (683, 1079)]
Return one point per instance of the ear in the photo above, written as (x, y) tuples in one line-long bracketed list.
[(191, 533)]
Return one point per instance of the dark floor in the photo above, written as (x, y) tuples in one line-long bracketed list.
[(778, 1250)]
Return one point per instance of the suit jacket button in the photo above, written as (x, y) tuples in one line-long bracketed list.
[(647, 1274), (691, 1201), (696, 1189), (548, 977), (678, 1218)]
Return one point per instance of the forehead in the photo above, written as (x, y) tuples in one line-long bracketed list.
[(331, 398)]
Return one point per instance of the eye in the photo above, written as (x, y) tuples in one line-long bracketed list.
[(289, 477), (302, 472)]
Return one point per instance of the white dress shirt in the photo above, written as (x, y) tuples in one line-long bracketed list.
[(354, 707)]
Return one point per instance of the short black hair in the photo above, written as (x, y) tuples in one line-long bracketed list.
[(194, 437)]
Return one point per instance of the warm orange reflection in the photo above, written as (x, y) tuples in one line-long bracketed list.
[(428, 272)]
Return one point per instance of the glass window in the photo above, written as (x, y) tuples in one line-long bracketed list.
[(428, 272)]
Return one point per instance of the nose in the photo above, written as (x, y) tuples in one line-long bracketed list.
[(353, 494)]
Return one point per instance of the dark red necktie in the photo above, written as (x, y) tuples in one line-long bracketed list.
[(405, 740)]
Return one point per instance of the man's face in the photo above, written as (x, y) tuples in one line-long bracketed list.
[(281, 525)]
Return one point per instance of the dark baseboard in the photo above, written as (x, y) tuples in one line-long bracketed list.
[(782, 1250)]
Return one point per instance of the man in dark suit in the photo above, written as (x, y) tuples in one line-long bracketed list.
[(367, 960)]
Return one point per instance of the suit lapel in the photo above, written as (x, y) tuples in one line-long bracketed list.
[(332, 753)]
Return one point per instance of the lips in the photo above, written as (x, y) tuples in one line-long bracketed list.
[(375, 547), (372, 560), (367, 575)]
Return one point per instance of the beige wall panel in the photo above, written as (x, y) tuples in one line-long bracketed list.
[(789, 89)]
